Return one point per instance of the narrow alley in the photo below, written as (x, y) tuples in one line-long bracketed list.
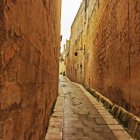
[(79, 116), (69, 69)]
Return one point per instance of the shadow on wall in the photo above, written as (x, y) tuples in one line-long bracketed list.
[(115, 94)]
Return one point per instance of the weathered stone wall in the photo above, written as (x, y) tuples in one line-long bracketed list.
[(111, 38), (29, 57)]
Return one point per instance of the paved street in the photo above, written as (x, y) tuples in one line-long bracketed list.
[(78, 116)]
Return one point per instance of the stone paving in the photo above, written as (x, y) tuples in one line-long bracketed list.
[(56, 122), (79, 116)]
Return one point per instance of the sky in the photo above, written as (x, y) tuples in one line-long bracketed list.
[(69, 11)]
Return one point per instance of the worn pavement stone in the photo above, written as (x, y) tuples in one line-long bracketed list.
[(79, 116), (82, 121)]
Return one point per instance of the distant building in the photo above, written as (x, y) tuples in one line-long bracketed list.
[(63, 59)]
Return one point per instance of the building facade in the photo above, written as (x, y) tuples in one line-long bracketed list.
[(29, 65), (104, 50), (63, 59)]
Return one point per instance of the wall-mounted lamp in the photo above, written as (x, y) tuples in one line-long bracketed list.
[(76, 52)]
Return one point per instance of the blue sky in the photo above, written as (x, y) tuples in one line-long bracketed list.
[(69, 10)]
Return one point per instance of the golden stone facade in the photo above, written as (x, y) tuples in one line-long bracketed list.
[(63, 59), (29, 41), (105, 50)]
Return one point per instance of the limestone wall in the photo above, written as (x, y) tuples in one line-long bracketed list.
[(29, 57), (111, 59)]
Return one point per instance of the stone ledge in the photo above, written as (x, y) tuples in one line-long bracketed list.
[(128, 120)]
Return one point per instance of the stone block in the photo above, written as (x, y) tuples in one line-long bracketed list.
[(137, 133), (115, 110)]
